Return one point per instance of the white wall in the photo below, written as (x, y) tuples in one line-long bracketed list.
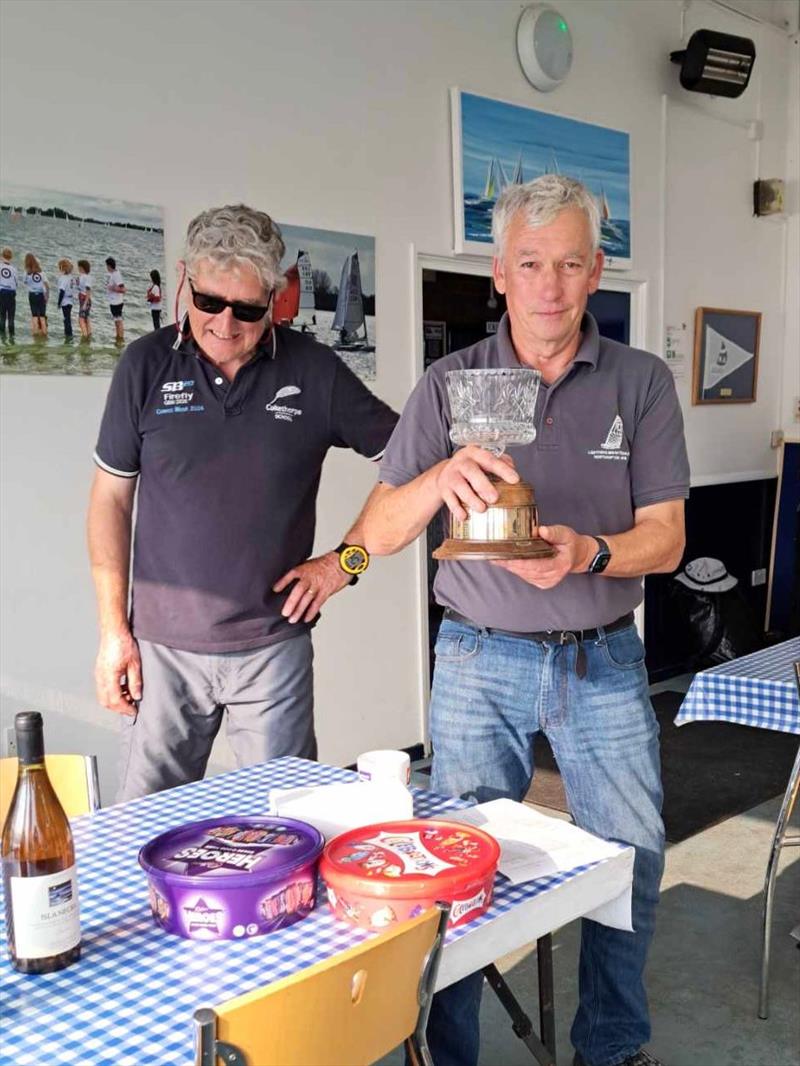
[(335, 114)]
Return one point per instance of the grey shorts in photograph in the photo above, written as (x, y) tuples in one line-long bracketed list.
[(266, 695)]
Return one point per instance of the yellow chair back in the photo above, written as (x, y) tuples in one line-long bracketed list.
[(349, 1010), (74, 778)]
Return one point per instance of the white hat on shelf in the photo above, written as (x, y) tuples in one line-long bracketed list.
[(706, 575)]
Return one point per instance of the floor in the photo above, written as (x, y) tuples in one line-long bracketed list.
[(704, 964), (703, 971)]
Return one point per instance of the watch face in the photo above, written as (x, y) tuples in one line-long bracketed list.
[(600, 561), (354, 559)]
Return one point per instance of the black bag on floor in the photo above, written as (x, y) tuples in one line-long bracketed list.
[(720, 622)]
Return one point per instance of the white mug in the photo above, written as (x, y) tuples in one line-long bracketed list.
[(385, 765)]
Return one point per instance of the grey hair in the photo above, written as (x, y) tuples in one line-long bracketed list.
[(235, 235), (540, 201)]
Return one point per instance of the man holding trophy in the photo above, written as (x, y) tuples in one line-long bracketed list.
[(538, 631)]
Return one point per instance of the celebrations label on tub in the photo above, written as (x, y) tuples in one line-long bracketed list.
[(416, 851), (392, 871)]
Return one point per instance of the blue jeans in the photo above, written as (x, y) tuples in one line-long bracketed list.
[(491, 694)]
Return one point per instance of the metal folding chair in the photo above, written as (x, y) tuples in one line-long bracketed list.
[(779, 840)]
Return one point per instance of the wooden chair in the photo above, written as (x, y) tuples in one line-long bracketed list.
[(74, 777), (349, 1010)]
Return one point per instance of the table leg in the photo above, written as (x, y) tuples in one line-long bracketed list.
[(544, 1050), (789, 798), (547, 1014)]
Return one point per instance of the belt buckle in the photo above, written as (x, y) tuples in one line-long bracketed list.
[(566, 635)]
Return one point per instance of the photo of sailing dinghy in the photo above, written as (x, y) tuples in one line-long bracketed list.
[(349, 318), (296, 301), (330, 292)]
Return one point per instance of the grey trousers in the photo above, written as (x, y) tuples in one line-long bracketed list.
[(267, 693)]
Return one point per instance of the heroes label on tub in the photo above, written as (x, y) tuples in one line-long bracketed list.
[(230, 847)]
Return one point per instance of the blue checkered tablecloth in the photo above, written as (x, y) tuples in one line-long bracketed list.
[(130, 999), (756, 690)]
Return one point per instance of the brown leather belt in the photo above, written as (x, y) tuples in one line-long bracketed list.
[(551, 636)]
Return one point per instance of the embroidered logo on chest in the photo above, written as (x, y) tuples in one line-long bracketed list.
[(177, 397), (282, 411), (613, 447)]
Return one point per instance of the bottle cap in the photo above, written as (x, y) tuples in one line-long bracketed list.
[(27, 720), (29, 731)]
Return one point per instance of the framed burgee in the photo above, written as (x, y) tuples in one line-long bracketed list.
[(725, 355)]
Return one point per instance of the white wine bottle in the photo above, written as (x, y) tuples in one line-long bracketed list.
[(38, 857)]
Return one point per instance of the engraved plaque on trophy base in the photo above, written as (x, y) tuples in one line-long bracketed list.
[(503, 531)]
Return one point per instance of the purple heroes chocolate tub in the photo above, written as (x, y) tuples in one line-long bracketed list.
[(227, 878)]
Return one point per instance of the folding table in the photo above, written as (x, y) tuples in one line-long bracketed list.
[(758, 690), (130, 999)]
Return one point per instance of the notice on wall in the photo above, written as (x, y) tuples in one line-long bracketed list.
[(675, 349)]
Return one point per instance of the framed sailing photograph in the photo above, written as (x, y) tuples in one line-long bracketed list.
[(331, 292), (80, 277), (725, 355), (496, 144)]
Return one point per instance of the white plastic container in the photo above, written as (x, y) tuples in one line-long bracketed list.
[(385, 765)]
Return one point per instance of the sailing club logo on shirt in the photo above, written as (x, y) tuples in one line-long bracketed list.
[(176, 393), (281, 411), (176, 397), (613, 446)]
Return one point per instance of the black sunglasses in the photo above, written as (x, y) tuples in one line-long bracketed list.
[(215, 305)]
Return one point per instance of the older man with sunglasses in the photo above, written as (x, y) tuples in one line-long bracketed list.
[(223, 423)]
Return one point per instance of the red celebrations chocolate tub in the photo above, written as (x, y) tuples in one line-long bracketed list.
[(227, 878), (392, 871)]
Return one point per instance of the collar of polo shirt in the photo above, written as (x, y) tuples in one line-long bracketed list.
[(588, 350), (267, 346)]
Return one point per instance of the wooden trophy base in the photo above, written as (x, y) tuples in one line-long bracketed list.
[(504, 530), (464, 550)]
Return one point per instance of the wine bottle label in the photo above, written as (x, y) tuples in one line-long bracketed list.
[(45, 914)]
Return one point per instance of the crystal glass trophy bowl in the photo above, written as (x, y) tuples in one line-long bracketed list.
[(495, 408)]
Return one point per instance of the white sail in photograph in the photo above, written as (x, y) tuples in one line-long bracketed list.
[(306, 275), (497, 179), (491, 189), (349, 317), (723, 356)]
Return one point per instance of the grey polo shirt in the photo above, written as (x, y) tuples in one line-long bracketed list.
[(228, 477), (585, 473)]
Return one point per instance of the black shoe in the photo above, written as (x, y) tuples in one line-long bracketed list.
[(641, 1058)]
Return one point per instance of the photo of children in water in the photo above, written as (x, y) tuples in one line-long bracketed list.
[(76, 261)]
